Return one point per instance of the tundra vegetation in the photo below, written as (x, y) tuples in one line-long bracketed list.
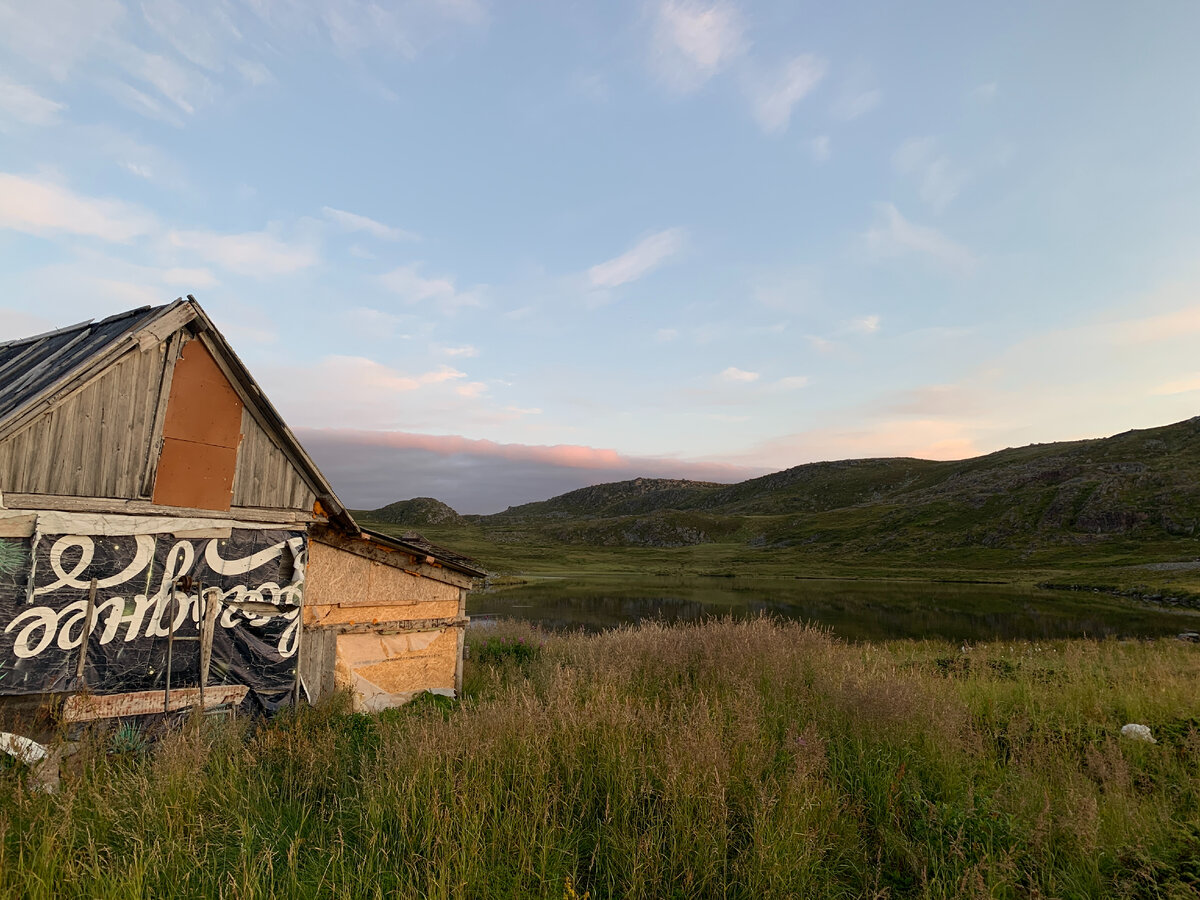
[(724, 759)]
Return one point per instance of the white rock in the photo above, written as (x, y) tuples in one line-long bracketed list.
[(1138, 733)]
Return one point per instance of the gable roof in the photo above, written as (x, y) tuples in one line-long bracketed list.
[(37, 371)]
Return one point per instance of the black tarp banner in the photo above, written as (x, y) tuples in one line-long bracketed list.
[(258, 577)]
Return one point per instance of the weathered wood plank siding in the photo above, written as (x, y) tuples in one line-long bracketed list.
[(91, 444), (265, 476)]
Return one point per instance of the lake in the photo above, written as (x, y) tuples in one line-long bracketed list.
[(852, 609)]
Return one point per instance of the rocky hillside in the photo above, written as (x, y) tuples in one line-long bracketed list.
[(1136, 485), (415, 512)]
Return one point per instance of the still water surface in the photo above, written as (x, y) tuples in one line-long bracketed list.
[(855, 610)]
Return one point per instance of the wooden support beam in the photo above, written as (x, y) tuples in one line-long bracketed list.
[(401, 626), (64, 503)]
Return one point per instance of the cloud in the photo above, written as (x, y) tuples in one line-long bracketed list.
[(465, 351), (939, 180), (42, 207), (853, 104), (16, 323), (773, 100), (791, 383), (735, 374), (694, 41), (413, 288), (665, 335), (24, 104), (371, 468), (189, 278), (1178, 386), (892, 235), (820, 344), (645, 256), (865, 324), (820, 148), (985, 93), (349, 221), (254, 253), (921, 438)]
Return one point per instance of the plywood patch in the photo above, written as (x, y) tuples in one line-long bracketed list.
[(201, 433), (394, 665)]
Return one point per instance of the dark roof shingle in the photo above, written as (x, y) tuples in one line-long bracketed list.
[(28, 366)]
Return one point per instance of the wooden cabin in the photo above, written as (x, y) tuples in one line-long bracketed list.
[(166, 542)]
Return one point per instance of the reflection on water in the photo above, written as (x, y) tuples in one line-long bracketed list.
[(855, 610)]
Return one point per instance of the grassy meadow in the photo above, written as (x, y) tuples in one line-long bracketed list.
[(751, 759)]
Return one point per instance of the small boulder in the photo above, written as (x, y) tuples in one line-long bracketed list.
[(1137, 732), (1190, 636)]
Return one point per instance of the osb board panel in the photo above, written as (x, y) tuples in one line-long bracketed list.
[(100, 435), (334, 576), (367, 591), (203, 407), (392, 585), (198, 476), (265, 476), (432, 667), (353, 615), (367, 649)]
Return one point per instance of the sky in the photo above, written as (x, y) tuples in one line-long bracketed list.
[(492, 251)]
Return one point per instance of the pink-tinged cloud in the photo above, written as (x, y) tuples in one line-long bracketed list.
[(573, 456), (922, 439), (371, 468)]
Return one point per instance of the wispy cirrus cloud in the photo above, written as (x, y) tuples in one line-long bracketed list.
[(693, 41), (21, 103), (40, 206), (772, 98), (851, 106), (892, 236), (641, 259), (255, 253), (413, 288), (939, 180), (353, 222)]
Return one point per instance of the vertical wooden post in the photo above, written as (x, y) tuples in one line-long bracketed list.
[(87, 629), (170, 650), (299, 649), (211, 608), (462, 641)]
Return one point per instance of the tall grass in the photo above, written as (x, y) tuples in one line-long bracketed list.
[(754, 759)]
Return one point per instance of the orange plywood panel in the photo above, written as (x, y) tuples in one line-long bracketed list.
[(198, 476), (203, 407)]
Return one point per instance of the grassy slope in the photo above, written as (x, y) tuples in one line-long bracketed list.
[(1089, 512), (752, 760)]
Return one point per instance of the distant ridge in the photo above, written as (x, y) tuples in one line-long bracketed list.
[(417, 511), (1138, 485)]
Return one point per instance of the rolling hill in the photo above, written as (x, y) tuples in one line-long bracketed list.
[(1113, 498)]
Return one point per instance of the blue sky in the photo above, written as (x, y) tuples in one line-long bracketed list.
[(489, 251)]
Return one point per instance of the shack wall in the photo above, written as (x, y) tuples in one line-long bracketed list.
[(395, 634)]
